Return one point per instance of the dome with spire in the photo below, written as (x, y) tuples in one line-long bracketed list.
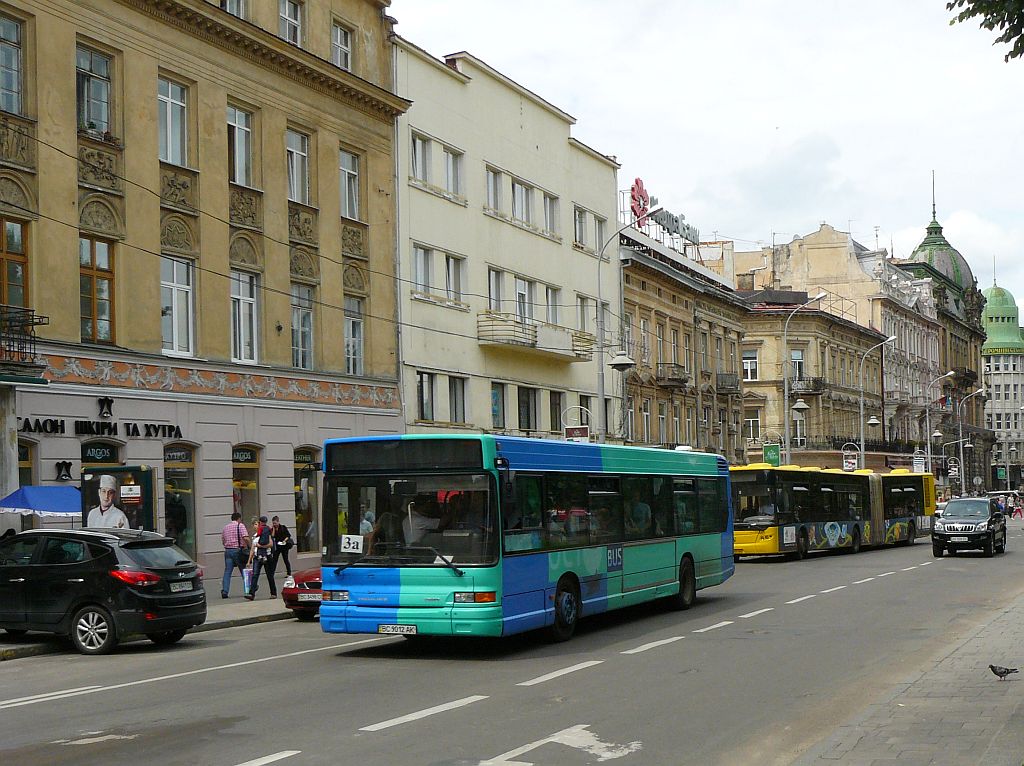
[(1001, 320), (936, 251)]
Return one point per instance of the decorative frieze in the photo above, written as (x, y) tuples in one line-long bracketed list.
[(353, 241), (17, 192), (245, 250), (302, 223), (101, 214), (245, 207), (304, 264), (177, 233), (98, 167), (179, 188), (17, 142), (353, 279)]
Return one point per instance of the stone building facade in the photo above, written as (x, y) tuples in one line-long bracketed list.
[(1003, 354)]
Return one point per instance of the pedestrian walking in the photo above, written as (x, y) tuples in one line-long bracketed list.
[(235, 539), (261, 558), (282, 543)]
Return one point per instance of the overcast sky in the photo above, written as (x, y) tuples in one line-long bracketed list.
[(754, 117)]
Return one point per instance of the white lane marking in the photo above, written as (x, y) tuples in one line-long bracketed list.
[(424, 713), (907, 569), (67, 693), (94, 740), (47, 694), (886, 574), (802, 598), (271, 758), (717, 625), (759, 611), (924, 563), (576, 737), (562, 672), (832, 590), (653, 645), (866, 579)]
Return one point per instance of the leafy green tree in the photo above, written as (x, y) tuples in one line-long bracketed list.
[(1006, 16)]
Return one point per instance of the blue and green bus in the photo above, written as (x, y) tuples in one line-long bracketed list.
[(483, 535)]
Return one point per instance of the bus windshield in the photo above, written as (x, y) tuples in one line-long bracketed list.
[(753, 496), (415, 520)]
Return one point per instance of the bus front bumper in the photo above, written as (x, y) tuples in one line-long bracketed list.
[(469, 620), (753, 542)]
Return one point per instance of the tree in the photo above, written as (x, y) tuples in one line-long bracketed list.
[(1007, 16)]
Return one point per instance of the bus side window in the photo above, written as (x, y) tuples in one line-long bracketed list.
[(711, 517), (523, 530), (684, 494), (662, 486)]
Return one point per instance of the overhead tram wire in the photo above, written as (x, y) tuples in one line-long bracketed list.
[(320, 255)]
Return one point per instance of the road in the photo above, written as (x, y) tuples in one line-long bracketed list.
[(758, 671)]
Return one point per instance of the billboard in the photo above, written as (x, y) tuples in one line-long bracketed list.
[(119, 497)]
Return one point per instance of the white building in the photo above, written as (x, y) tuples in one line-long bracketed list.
[(502, 214)]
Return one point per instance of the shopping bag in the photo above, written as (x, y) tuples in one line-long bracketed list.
[(247, 580)]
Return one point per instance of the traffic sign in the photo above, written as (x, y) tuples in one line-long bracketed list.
[(918, 464), (577, 433), (849, 462), (977, 481)]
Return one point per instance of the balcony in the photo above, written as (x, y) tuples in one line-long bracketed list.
[(18, 356), (671, 375), (804, 385), (552, 341), (727, 383)]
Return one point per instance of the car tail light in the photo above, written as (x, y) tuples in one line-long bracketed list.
[(135, 577), (199, 572)]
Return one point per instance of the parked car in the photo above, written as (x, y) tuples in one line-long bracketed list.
[(301, 593), (970, 523), (98, 586)]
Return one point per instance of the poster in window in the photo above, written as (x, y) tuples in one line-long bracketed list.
[(119, 497)]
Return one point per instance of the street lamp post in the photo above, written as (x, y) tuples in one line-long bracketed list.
[(1006, 454), (960, 418), (928, 413), (619, 364), (890, 339), (785, 372)]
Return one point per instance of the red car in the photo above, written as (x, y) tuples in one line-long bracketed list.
[(301, 593)]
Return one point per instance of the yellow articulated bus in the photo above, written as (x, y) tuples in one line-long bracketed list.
[(793, 510)]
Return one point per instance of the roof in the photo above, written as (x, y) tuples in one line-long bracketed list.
[(936, 251), (1001, 320)]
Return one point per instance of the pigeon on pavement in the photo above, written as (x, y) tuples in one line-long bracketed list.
[(1001, 671)]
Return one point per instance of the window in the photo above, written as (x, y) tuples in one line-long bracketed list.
[(796, 358), (550, 214), (629, 418), (13, 263), (302, 326), (598, 232), (752, 424), (494, 281), (497, 405), (677, 412), (552, 296), (348, 166), (585, 411), (645, 420), (660, 338), (92, 71), (522, 202), (420, 158), (239, 146), (172, 114), (291, 21), (493, 189), (582, 313), (353, 336), (422, 266), (234, 7), (704, 352), (555, 402), (297, 154), (243, 316), (425, 395), (245, 481), (96, 289), (457, 399), (719, 361), (452, 171), (176, 305), (524, 300), (686, 351), (341, 47), (453, 266), (10, 65), (527, 408), (645, 341), (580, 226), (675, 346), (662, 422), (750, 365)]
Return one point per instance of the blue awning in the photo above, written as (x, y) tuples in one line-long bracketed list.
[(44, 501)]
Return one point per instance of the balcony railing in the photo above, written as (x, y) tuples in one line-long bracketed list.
[(806, 385), (870, 445), (18, 338), (727, 383), (671, 374), (495, 328)]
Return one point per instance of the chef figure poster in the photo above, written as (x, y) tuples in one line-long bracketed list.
[(119, 497)]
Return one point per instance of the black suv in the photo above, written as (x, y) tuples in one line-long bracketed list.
[(98, 586), (969, 522)]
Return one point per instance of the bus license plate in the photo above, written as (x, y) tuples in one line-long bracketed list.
[(403, 630), (311, 596), (178, 587), (958, 539)]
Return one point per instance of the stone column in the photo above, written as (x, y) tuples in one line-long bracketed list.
[(9, 448)]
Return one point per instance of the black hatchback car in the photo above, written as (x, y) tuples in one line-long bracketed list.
[(969, 523), (98, 586)]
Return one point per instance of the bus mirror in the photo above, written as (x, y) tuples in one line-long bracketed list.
[(304, 494)]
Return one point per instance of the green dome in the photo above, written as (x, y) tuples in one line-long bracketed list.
[(1001, 321), (936, 251)]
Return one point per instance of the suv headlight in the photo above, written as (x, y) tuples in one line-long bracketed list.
[(981, 526), (938, 525)]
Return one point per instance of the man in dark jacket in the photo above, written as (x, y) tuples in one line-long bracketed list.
[(282, 543)]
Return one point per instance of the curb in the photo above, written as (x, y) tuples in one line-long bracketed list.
[(55, 645)]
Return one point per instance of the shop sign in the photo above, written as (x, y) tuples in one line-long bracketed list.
[(246, 455), (59, 426), (177, 455), (304, 457), (99, 452), (641, 202)]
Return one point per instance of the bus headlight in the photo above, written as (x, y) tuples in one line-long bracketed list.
[(335, 595), (484, 597)]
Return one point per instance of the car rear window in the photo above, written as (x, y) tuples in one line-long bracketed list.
[(158, 555)]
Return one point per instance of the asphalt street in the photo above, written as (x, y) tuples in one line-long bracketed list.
[(759, 671)]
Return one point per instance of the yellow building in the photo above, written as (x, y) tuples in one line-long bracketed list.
[(224, 175)]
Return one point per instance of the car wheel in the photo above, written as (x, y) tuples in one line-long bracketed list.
[(989, 547), (687, 595), (567, 610), (911, 534), (304, 616), (937, 551), (16, 632), (92, 631), (1002, 546), (166, 638)]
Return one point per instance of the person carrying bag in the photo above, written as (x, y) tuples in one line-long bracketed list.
[(235, 540), (283, 543), (261, 558)]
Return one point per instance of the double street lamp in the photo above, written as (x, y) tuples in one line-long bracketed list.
[(928, 413), (785, 373), (890, 339)]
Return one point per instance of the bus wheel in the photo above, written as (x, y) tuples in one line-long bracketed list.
[(687, 594), (855, 547), (567, 610), (911, 534), (801, 546)]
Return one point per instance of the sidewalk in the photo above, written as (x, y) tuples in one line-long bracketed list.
[(220, 613)]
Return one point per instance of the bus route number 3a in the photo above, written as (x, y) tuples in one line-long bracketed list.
[(351, 543), (614, 558)]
